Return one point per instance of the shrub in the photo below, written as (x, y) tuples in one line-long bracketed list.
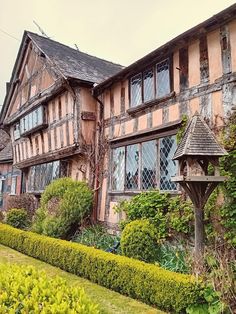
[(96, 236), (25, 200), (170, 215), (149, 283), (138, 240), (18, 218), (151, 205), (23, 289), (63, 205)]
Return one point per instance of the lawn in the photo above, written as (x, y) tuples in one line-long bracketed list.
[(109, 301)]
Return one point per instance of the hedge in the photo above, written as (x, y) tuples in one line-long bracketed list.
[(149, 283)]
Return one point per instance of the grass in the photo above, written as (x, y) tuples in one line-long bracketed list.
[(109, 301)]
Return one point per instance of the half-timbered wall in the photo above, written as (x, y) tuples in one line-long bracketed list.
[(202, 78), (52, 124)]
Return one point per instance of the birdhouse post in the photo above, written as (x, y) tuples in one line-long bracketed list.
[(197, 151)]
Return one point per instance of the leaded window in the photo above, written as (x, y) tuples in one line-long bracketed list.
[(162, 78), (167, 165), (32, 120), (132, 167), (144, 166), (118, 164), (148, 85), (149, 165), (151, 83), (136, 90), (41, 175)]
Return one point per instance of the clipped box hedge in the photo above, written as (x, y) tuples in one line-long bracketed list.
[(149, 283)]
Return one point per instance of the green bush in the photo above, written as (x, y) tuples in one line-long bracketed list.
[(146, 282), (23, 289), (170, 215), (63, 205), (25, 200), (18, 218), (96, 236), (138, 240)]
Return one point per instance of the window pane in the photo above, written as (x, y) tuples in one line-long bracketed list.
[(168, 166), (118, 165), (148, 85), (35, 118), (149, 157), (29, 119), (163, 78), (40, 115), (132, 167), (136, 90), (13, 185)]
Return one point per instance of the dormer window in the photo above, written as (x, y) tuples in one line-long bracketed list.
[(150, 84)]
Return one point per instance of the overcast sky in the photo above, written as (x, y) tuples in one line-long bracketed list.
[(121, 31)]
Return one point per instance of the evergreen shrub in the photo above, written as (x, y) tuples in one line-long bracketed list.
[(149, 283), (18, 218), (63, 205), (138, 240)]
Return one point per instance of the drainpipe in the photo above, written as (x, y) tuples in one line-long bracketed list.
[(99, 138)]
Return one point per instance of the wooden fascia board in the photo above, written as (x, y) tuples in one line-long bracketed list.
[(54, 155)]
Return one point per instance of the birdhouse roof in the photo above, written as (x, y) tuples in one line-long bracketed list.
[(198, 140)]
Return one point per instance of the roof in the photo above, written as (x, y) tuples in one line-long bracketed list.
[(198, 140), (73, 63), (69, 63), (166, 49), (6, 153), (4, 139)]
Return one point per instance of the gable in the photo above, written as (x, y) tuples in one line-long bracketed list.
[(34, 76)]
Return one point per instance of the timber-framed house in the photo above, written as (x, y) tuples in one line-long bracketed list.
[(120, 135)]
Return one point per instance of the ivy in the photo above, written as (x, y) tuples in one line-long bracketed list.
[(182, 129)]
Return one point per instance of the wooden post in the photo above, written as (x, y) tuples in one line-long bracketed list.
[(199, 239)]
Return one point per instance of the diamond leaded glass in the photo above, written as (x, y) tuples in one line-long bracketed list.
[(41, 175), (132, 167), (149, 158), (168, 166), (118, 169), (148, 85), (162, 78), (136, 90)]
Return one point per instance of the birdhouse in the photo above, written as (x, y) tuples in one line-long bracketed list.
[(198, 154)]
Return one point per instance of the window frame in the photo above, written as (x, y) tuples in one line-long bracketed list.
[(152, 68), (54, 169), (139, 141)]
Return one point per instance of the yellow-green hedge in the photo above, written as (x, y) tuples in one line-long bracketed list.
[(149, 283)]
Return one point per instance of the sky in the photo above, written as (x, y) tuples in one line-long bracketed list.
[(121, 31)]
